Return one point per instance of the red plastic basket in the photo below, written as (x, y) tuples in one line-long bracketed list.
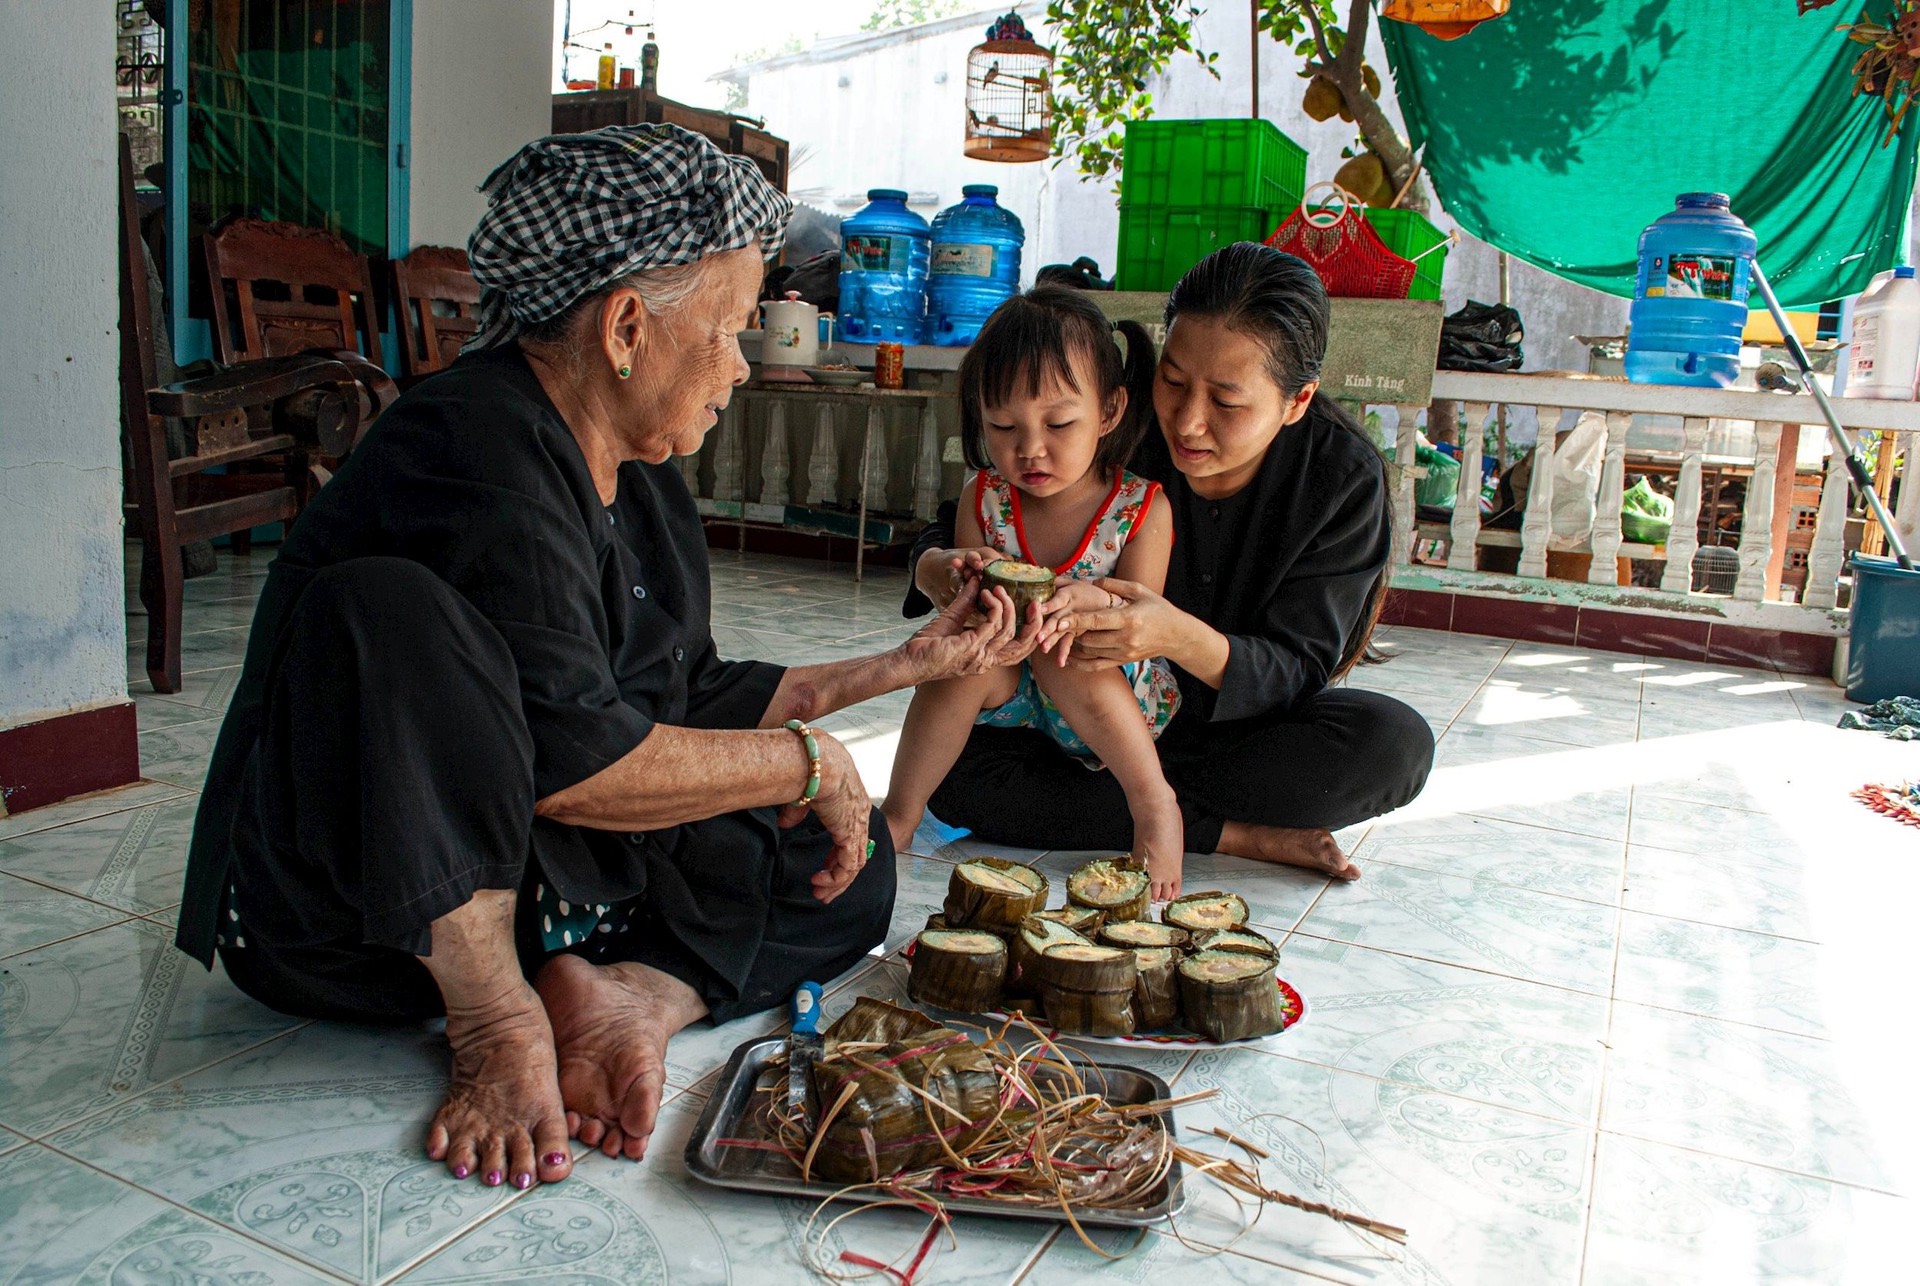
[(1344, 249)]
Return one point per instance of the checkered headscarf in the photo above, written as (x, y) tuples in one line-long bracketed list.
[(569, 214)]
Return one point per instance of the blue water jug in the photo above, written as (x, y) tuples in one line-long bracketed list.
[(883, 271), (1690, 301), (975, 266)]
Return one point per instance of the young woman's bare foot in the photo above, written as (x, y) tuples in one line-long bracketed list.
[(503, 1119), (611, 1024), (1312, 849)]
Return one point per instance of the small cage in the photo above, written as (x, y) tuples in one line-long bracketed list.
[(1009, 96)]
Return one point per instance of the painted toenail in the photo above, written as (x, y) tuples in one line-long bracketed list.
[(523, 1181), (461, 1172), (556, 1158), (493, 1178)]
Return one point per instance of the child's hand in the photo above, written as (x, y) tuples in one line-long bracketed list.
[(1057, 613)]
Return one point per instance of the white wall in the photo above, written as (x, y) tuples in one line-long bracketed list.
[(62, 606), (892, 125), (480, 89)]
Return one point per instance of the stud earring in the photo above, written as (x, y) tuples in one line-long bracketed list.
[(625, 371)]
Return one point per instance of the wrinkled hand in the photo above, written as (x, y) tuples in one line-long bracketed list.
[(1143, 625), (957, 643), (844, 808)]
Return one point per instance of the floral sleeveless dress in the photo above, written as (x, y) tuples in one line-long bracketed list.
[(1154, 686)]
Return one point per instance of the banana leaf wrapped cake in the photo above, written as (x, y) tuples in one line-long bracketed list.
[(994, 894), (896, 1091)]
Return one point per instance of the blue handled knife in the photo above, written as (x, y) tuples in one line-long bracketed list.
[(803, 1046)]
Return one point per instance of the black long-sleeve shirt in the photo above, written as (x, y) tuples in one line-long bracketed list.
[(1283, 568)]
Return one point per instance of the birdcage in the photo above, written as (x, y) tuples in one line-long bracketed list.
[(1009, 96), (1445, 19)]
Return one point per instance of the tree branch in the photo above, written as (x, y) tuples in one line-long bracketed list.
[(1354, 51), (1311, 8)]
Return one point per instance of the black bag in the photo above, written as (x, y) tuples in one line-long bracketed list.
[(1482, 337), (1082, 274), (817, 280)]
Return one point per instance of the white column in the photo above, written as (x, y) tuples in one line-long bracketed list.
[(1683, 541), (824, 473), (926, 475), (1404, 448), (1756, 523), (773, 456), (879, 449), (1536, 525), (1606, 517), (1466, 502), (728, 474), (1829, 535), (1907, 517)]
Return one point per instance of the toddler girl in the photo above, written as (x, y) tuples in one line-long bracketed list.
[(1050, 411)]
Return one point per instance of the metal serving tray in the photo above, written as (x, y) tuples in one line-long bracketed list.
[(729, 1113)]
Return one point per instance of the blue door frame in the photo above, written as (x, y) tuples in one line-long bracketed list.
[(192, 338)]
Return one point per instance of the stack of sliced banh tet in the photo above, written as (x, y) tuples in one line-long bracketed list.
[(1096, 966)]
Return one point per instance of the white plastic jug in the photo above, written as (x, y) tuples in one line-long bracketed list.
[(1886, 340)]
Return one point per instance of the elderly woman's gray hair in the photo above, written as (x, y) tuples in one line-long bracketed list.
[(573, 215)]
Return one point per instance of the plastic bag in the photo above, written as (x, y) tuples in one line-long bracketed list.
[(1576, 481), (1482, 337), (1646, 516), (1442, 483)]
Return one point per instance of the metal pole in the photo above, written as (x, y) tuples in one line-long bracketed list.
[(1506, 297), (1253, 47), (1841, 440)]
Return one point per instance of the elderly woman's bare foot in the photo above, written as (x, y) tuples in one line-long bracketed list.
[(503, 1119), (611, 1024), (1314, 850)]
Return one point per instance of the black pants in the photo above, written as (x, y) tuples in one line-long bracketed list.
[(1336, 759), (394, 780)]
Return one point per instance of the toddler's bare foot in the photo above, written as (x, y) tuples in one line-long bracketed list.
[(1313, 850), (1159, 844)]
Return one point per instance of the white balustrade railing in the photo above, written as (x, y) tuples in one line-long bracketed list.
[(1766, 524)]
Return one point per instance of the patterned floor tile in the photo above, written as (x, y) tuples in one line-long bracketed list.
[(1663, 1215), (1502, 852), (133, 860), (88, 1022), (63, 1223), (1687, 828), (209, 690), (1486, 1194), (9, 1141), (179, 754), (37, 915), (311, 1144), (1751, 978), (1149, 1256), (1759, 1096), (654, 1223), (204, 650), (1480, 923), (1479, 1036), (1782, 892), (98, 804)]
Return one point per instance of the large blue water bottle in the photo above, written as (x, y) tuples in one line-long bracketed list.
[(883, 271), (1690, 301), (976, 264)]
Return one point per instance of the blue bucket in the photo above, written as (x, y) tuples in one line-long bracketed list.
[(1883, 650)]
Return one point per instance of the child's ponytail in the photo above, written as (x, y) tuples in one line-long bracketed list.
[(1117, 448)]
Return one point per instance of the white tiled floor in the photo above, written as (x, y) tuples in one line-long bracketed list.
[(1622, 998)]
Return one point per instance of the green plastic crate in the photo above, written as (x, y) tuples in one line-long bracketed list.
[(1211, 163), (1159, 243), (1409, 233)]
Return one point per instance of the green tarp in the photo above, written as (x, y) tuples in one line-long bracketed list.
[(1558, 132)]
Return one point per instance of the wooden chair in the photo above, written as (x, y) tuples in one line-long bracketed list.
[(281, 411), (280, 289), (438, 302)]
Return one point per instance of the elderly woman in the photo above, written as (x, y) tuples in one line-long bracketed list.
[(483, 759), (1281, 535)]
